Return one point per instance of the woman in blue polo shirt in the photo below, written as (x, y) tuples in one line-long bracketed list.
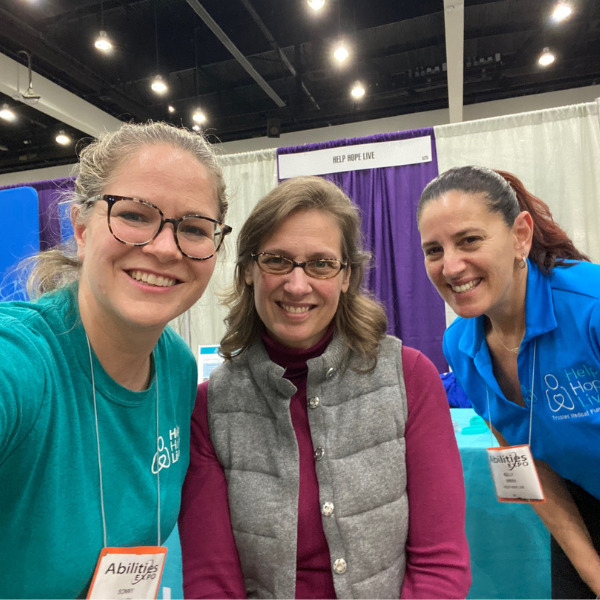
[(526, 345)]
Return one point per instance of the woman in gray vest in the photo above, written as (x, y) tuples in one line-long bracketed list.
[(323, 459)]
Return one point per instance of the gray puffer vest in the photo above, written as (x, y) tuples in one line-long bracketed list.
[(357, 424)]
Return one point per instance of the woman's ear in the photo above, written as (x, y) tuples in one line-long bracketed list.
[(248, 275), (346, 280), (79, 230), (523, 230)]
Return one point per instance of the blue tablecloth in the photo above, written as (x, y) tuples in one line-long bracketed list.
[(171, 585), (510, 547)]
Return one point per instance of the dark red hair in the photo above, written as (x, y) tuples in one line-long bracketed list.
[(550, 245), (505, 194)]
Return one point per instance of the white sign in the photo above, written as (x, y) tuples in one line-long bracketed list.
[(355, 158), (208, 359)]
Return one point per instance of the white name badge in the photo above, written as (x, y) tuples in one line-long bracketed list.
[(514, 474), (128, 573)]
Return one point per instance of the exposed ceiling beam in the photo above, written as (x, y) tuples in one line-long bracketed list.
[(226, 41), (282, 56), (454, 23), (55, 101)]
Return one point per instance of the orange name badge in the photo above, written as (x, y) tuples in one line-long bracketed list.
[(128, 573), (514, 474)]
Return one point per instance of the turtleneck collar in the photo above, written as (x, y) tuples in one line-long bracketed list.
[(294, 360)]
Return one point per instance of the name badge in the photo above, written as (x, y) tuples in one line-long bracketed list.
[(514, 474), (128, 573)]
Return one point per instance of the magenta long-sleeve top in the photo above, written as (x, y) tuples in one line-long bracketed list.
[(437, 555)]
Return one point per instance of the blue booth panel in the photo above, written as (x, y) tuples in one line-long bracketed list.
[(20, 235), (66, 227)]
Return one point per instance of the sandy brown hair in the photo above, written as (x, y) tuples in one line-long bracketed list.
[(360, 319)]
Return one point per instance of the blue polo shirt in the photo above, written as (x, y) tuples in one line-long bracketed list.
[(562, 319)]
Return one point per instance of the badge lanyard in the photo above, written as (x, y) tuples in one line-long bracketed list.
[(513, 468), (138, 572)]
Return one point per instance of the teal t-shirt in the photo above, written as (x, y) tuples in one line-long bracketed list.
[(50, 510)]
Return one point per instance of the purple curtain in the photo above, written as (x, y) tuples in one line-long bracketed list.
[(49, 195), (388, 200)]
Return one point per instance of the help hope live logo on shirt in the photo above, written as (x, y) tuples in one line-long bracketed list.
[(167, 454), (571, 393)]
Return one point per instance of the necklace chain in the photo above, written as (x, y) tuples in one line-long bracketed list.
[(514, 350)]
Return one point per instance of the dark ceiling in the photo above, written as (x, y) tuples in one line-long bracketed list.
[(399, 53)]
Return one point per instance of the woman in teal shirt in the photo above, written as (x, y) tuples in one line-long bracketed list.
[(96, 392)]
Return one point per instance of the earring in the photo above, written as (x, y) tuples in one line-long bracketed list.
[(523, 261)]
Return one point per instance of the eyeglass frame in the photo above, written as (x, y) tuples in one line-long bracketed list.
[(112, 199), (255, 256)]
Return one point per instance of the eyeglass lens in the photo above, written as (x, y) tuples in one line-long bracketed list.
[(321, 268), (135, 222)]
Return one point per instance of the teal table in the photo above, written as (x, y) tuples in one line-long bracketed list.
[(510, 548), (171, 585)]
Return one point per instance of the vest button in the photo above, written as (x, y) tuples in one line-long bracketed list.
[(339, 566), (328, 509), (319, 453), (330, 373), (313, 402)]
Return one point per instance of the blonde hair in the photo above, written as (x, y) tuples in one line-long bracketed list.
[(359, 319), (98, 162)]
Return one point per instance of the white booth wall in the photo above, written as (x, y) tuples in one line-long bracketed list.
[(555, 152), (549, 143)]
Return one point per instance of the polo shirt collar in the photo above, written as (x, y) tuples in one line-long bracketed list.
[(539, 313)]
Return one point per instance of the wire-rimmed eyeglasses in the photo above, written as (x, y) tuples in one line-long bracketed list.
[(136, 222), (318, 268)]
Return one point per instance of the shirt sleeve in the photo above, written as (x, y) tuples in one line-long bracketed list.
[(211, 566), (22, 383), (437, 553)]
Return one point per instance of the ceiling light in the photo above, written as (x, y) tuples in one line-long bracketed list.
[(196, 127), (340, 53), (7, 114), (199, 117), (561, 12), (357, 91), (171, 109), (62, 138), (316, 4), (546, 57), (103, 42), (158, 85)]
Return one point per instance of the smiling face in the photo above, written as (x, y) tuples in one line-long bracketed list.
[(147, 286), (472, 255), (297, 309)]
